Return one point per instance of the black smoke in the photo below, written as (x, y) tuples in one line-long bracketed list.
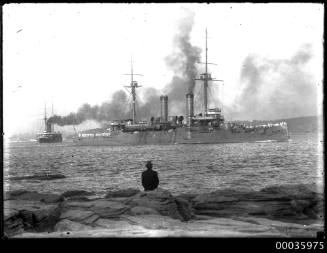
[(115, 109), (184, 59), (150, 106), (70, 119), (182, 62), (276, 88)]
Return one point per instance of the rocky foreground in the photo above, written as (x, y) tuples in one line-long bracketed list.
[(276, 211)]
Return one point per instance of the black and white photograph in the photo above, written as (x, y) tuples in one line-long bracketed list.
[(156, 120)]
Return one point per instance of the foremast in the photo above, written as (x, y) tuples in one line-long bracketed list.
[(45, 118), (133, 85)]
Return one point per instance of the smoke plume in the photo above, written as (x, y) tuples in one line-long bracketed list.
[(116, 108), (183, 64), (274, 89), (183, 60)]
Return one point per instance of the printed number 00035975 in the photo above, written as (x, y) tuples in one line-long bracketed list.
[(300, 245)]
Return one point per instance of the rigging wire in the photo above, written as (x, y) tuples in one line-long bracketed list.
[(137, 107), (198, 96), (211, 97), (130, 99)]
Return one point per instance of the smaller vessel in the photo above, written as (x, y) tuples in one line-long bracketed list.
[(48, 135)]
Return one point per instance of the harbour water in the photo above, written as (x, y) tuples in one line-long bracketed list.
[(182, 168)]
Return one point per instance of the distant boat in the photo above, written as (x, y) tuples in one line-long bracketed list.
[(48, 135)]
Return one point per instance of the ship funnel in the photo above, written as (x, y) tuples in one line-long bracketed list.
[(164, 108), (189, 109), (49, 127)]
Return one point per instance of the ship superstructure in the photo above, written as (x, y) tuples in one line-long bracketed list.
[(48, 135), (207, 127)]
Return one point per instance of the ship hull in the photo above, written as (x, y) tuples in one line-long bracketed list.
[(49, 138), (183, 135)]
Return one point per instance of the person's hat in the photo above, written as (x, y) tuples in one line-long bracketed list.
[(148, 163)]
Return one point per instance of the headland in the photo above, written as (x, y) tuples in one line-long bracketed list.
[(275, 211)]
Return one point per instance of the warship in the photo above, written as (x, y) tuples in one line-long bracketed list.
[(48, 135), (207, 127)]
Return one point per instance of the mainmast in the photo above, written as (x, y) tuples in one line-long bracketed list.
[(205, 86), (206, 77), (133, 85), (52, 114), (45, 117)]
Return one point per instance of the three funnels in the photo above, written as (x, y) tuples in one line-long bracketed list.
[(189, 108), (164, 108)]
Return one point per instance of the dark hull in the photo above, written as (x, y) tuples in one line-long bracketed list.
[(182, 135), (49, 138)]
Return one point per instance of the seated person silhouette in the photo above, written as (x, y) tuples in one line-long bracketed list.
[(150, 180)]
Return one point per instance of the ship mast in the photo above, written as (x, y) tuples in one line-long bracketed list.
[(205, 86), (206, 77), (52, 114), (45, 117), (133, 85)]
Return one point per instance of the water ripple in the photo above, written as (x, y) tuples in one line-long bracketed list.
[(181, 168)]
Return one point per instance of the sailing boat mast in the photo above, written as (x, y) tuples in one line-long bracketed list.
[(133, 85)]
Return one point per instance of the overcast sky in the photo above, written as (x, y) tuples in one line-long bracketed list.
[(71, 54)]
